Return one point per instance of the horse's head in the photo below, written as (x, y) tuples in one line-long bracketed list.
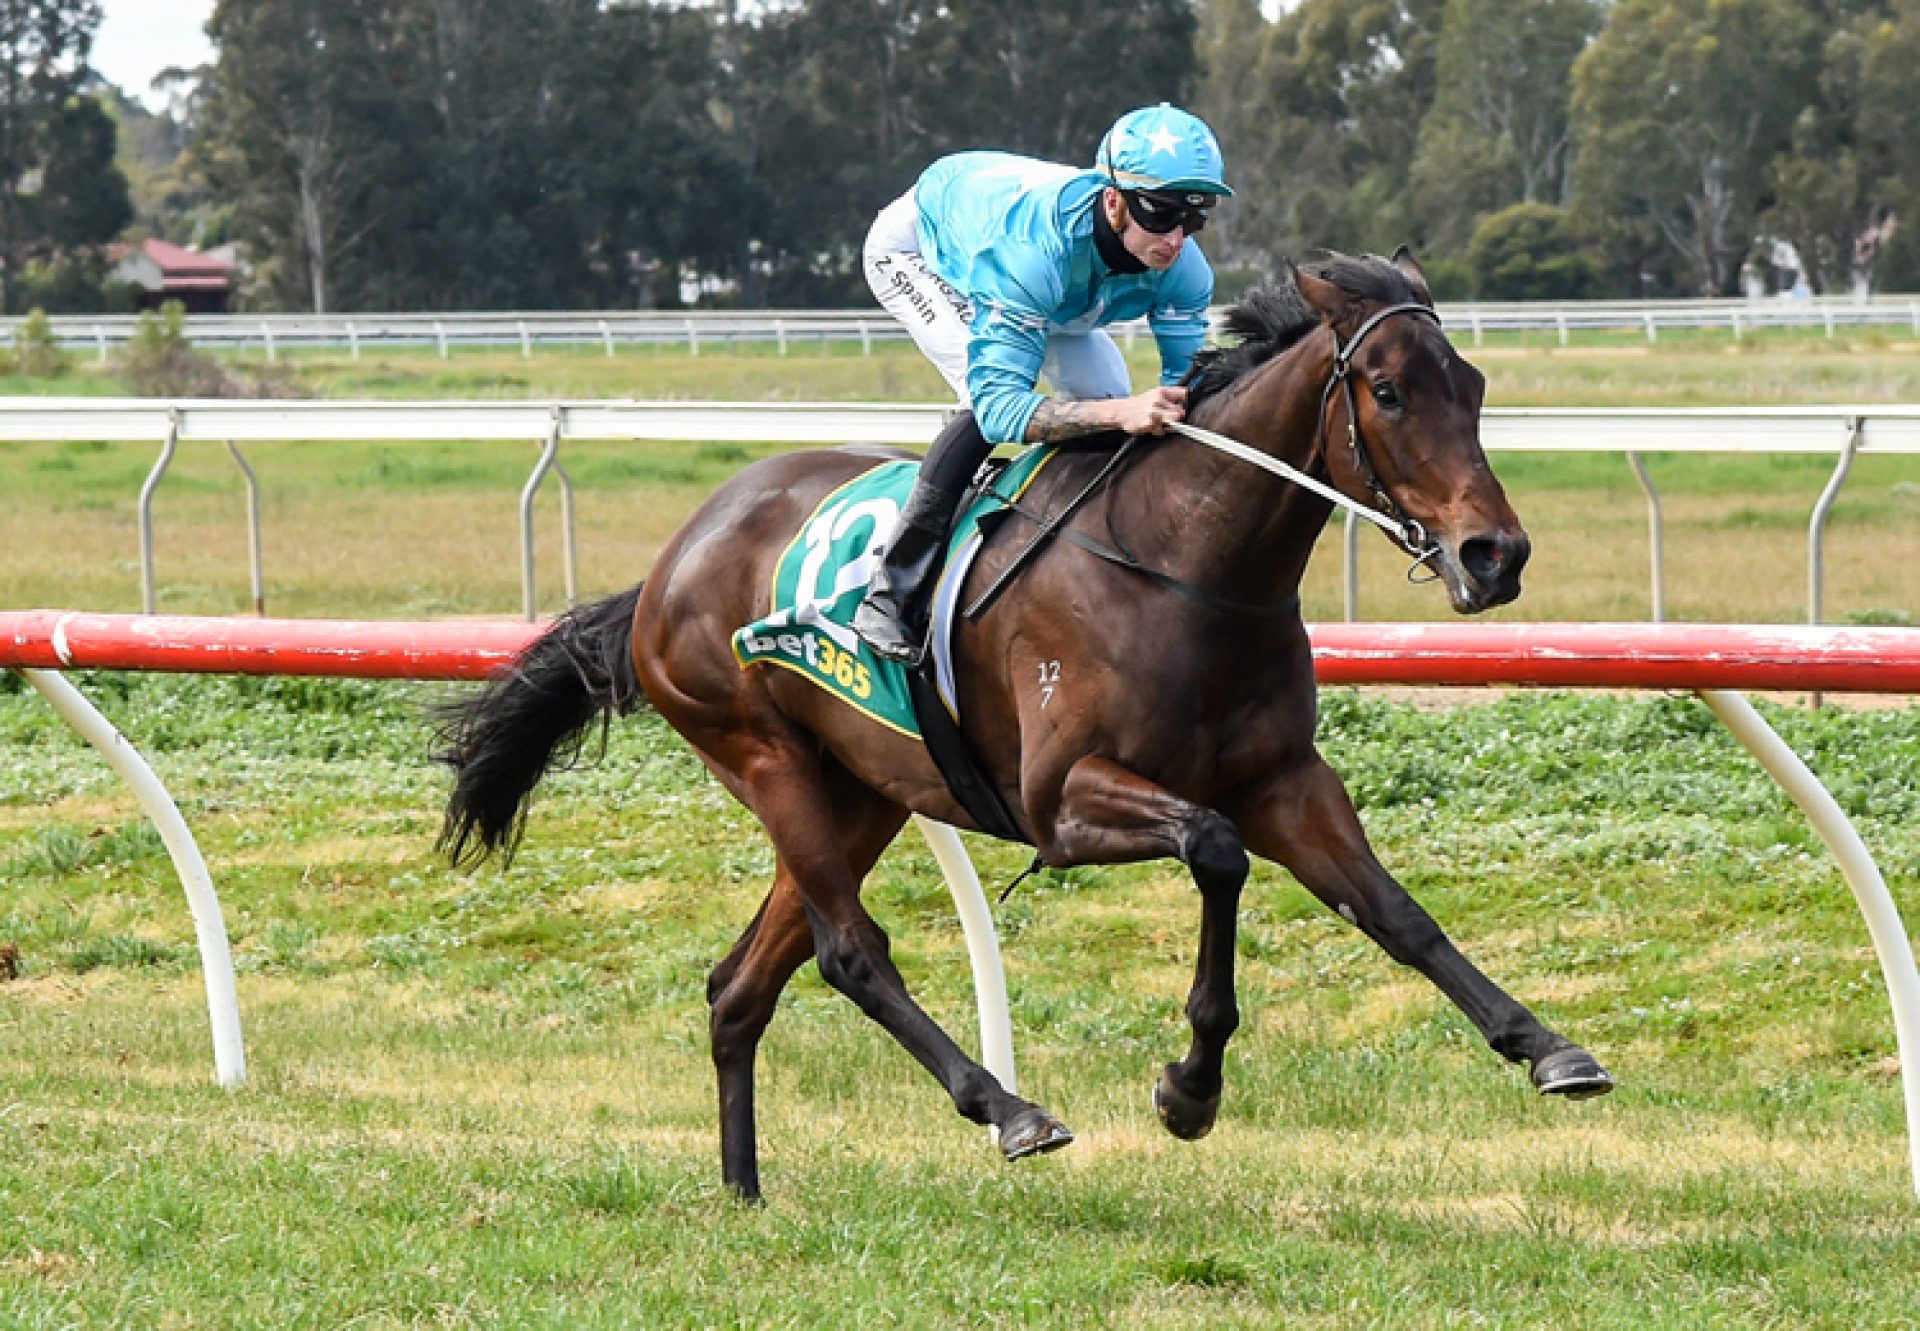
[(1400, 421)]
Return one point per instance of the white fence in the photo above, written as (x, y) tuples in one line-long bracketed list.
[(785, 330), (1841, 432)]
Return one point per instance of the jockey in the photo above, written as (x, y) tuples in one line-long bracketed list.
[(1003, 268)]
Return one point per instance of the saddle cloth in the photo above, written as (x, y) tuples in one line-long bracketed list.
[(823, 573)]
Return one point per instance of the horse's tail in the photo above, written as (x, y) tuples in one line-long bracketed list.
[(531, 718)]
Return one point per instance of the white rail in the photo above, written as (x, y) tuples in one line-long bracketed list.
[(691, 329), (1842, 432)]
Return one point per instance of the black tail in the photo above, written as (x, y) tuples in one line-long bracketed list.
[(531, 718)]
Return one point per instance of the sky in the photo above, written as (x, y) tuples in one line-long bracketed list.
[(139, 38)]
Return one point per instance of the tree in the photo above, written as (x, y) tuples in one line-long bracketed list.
[(294, 123), (1678, 107), (1529, 252), (60, 194), (1320, 132), (1499, 131)]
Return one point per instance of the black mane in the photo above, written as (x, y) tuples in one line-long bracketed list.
[(1274, 316)]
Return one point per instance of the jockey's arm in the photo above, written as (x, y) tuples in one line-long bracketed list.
[(1008, 345)]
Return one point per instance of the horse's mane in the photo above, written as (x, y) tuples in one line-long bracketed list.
[(1274, 316)]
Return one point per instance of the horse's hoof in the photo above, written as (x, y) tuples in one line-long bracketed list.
[(1032, 1131), (1182, 1115), (1571, 1072)]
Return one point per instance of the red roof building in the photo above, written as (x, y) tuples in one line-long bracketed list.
[(163, 271)]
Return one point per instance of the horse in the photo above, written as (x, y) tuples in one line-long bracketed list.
[(1162, 706)]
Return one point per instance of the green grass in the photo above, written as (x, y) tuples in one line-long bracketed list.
[(393, 530), (485, 1100)]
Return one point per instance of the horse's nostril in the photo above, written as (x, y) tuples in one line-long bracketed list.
[(1484, 558), (1494, 559)]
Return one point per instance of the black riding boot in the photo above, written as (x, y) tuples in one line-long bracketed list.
[(893, 617)]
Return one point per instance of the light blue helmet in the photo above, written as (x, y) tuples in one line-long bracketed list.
[(1163, 148)]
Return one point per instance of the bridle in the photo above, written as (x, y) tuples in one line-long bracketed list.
[(1386, 513), (1412, 536)]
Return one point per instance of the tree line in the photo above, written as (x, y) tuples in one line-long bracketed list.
[(444, 154)]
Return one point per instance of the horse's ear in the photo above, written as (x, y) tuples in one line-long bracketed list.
[(1322, 297), (1410, 269)]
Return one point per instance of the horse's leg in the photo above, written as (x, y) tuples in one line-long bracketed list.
[(741, 994), (1110, 814), (745, 987), (1306, 822), (787, 788)]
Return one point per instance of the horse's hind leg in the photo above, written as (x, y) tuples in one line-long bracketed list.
[(745, 987), (741, 994), (819, 820), (1108, 814), (1306, 822)]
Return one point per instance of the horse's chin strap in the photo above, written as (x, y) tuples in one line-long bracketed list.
[(1388, 515)]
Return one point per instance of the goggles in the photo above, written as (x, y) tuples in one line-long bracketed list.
[(1160, 212)]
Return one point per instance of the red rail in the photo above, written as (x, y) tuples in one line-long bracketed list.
[(1653, 656)]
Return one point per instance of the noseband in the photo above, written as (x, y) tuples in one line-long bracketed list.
[(1412, 536)]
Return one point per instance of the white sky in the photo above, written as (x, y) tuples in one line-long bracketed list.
[(139, 38)]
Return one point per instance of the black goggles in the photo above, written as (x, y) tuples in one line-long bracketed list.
[(1161, 212)]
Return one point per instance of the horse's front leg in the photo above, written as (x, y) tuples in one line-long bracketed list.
[(1305, 820), (1109, 814)]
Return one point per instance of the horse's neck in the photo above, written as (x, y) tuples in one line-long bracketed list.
[(1219, 522)]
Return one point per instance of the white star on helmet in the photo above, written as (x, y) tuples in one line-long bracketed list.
[(1163, 141)]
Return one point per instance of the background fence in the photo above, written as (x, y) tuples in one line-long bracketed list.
[(788, 330), (1840, 432)]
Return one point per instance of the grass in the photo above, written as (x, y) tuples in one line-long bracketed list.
[(407, 530), (485, 1100)]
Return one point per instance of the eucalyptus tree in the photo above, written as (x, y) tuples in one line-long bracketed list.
[(59, 189), (1499, 131), (1678, 107)]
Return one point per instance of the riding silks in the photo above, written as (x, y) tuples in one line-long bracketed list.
[(822, 574)]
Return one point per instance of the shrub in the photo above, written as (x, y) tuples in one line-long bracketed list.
[(35, 352), (158, 361), (1529, 252)]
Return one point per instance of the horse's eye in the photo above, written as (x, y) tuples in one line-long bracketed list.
[(1386, 395)]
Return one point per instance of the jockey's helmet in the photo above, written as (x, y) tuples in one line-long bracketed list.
[(1163, 148)]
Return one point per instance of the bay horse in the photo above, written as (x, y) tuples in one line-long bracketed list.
[(1118, 720)]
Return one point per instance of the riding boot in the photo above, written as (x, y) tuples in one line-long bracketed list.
[(893, 617)]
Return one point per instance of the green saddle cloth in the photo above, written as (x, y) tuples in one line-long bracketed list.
[(822, 575)]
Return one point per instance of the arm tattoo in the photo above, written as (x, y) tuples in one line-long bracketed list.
[(1056, 420)]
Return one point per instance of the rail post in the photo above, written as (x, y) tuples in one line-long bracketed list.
[(100, 338), (1652, 336), (866, 339), (440, 336), (255, 568), (549, 456), (780, 334), (1350, 568), (216, 960), (1817, 524), (1656, 537), (353, 339), (606, 336), (526, 342), (1473, 317), (160, 465), (1560, 321), (693, 339), (266, 335), (1863, 878)]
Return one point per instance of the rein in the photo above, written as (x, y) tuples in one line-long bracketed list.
[(1387, 515)]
